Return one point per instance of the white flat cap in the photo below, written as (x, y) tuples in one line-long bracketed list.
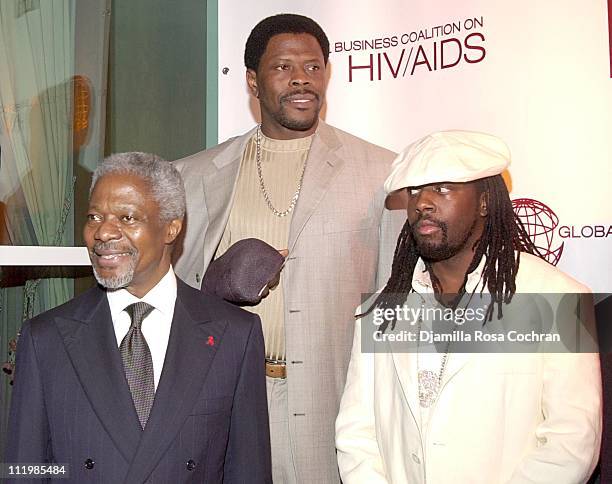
[(448, 156)]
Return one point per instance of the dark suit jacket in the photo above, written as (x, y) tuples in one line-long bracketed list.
[(209, 423), (603, 311)]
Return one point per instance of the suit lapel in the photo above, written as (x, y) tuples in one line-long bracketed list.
[(90, 341), (219, 186), (406, 370), (455, 363), (188, 359), (323, 165)]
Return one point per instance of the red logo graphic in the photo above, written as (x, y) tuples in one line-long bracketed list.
[(540, 222), (210, 341)]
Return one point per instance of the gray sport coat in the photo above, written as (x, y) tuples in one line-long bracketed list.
[(333, 259)]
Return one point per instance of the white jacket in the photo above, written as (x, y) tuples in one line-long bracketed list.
[(516, 418)]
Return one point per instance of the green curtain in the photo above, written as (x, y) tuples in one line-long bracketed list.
[(37, 49)]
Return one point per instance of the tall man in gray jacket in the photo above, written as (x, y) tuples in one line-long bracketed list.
[(307, 187)]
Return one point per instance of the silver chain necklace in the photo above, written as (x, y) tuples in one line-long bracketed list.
[(262, 185), (430, 382)]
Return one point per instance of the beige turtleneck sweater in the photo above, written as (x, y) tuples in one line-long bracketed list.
[(282, 162)]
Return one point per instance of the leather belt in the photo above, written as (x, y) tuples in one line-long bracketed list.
[(276, 369)]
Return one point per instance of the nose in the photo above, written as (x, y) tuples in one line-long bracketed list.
[(424, 202), (299, 77), (108, 230)]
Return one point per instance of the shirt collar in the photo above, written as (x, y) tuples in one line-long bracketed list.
[(421, 281), (286, 145), (162, 296)]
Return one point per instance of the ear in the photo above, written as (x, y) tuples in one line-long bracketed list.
[(173, 229), (483, 209), (251, 79)]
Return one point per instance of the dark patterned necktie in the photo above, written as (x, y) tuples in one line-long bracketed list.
[(137, 362)]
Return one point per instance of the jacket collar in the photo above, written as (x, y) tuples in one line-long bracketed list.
[(421, 281), (323, 165)]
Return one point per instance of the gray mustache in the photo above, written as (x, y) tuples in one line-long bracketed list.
[(114, 246)]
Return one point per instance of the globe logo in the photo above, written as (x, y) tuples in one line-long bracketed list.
[(540, 223)]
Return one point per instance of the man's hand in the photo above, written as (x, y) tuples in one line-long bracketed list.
[(271, 285)]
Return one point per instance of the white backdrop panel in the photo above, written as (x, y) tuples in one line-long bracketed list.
[(538, 78)]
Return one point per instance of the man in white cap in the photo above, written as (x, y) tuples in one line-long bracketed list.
[(444, 416)]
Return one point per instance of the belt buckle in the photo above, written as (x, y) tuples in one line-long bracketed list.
[(276, 368)]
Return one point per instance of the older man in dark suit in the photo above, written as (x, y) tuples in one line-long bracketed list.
[(142, 379)]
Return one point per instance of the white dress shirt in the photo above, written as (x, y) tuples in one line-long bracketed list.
[(156, 326), (428, 358)]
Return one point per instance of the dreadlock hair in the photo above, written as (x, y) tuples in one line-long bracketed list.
[(284, 23), (503, 239)]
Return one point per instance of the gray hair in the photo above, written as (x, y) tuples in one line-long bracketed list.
[(163, 178)]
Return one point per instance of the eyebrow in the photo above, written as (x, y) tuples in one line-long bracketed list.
[(418, 187), (292, 58), (116, 207)]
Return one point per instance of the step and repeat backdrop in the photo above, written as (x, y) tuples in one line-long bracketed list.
[(536, 74)]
